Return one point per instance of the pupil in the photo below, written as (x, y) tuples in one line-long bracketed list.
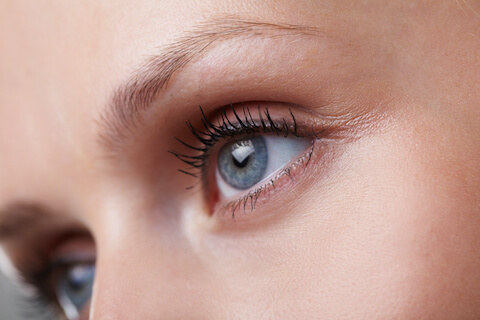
[(241, 164), (78, 277), (75, 285)]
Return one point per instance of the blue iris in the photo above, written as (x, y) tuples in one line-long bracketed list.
[(75, 287), (243, 163)]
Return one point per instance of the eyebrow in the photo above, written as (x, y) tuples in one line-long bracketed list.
[(15, 218), (129, 101)]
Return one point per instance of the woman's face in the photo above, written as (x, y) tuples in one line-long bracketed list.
[(369, 209)]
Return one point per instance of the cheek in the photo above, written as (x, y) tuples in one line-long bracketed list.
[(393, 232), (385, 232)]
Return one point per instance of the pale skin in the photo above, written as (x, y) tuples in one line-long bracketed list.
[(383, 223)]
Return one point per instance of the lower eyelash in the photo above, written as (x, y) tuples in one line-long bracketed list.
[(248, 201), (38, 307)]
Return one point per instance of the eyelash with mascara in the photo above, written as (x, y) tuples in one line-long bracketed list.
[(41, 297), (230, 124)]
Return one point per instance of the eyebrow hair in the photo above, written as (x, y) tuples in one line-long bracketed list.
[(124, 112), (17, 217)]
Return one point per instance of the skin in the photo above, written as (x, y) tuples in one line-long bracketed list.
[(382, 224)]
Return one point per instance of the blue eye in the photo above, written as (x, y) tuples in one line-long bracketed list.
[(74, 288), (244, 163)]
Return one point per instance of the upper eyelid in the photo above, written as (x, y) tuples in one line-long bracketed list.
[(131, 100), (228, 128)]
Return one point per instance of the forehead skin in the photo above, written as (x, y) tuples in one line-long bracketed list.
[(398, 234)]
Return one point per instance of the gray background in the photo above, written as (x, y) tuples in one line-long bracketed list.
[(13, 306), (8, 299)]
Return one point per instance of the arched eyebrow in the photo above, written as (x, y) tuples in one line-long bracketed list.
[(132, 98)]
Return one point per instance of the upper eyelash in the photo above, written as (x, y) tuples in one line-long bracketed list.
[(226, 128), (42, 296)]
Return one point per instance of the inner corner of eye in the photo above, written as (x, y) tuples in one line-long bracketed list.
[(244, 163)]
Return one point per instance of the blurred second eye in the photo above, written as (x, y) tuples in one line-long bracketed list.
[(74, 288), (244, 163)]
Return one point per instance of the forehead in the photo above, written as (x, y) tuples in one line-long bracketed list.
[(60, 62)]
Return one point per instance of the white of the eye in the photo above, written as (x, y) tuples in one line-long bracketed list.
[(281, 151), (68, 307)]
